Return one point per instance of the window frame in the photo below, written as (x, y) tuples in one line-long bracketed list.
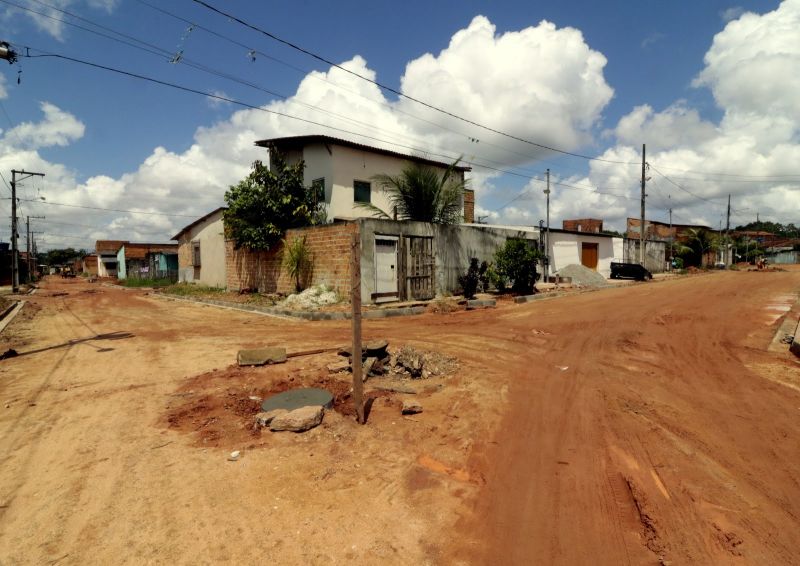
[(196, 254), (368, 185)]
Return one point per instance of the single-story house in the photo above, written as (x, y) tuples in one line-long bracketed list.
[(89, 265), (106, 251), (201, 250), (143, 260)]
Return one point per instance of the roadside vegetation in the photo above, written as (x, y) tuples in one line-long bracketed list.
[(269, 201), (145, 282)]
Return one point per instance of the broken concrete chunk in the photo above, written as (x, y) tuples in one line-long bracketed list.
[(369, 349), (264, 418), (375, 348), (299, 420), (262, 356), (411, 407), (368, 367), (338, 367)]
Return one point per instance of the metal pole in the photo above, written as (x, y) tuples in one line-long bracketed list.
[(547, 237)]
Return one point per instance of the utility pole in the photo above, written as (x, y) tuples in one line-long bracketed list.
[(547, 237), (728, 234), (642, 226), (14, 249), (671, 253), (29, 246)]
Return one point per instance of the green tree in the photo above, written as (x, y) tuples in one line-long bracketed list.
[(61, 256), (421, 193), (699, 242), (269, 201), (516, 261)]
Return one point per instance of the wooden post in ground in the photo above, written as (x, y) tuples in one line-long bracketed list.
[(355, 301)]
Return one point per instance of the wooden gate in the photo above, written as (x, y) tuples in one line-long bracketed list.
[(420, 268)]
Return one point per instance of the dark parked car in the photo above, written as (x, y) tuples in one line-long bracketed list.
[(621, 270)]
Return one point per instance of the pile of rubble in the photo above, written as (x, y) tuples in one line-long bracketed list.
[(582, 276), (409, 362), (311, 299)]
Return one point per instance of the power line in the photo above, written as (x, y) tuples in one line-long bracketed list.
[(153, 49), (284, 114), (397, 92), (110, 209), (709, 173), (683, 188)]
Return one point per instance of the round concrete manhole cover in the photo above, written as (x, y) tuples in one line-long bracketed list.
[(296, 398)]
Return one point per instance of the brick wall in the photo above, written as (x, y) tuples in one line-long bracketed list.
[(592, 225), (263, 270), (184, 252)]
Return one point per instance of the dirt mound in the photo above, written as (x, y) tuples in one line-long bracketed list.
[(583, 276), (218, 407)]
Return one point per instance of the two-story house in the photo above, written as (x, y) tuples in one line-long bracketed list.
[(343, 171)]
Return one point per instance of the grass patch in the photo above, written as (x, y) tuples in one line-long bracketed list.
[(191, 290), (145, 282)]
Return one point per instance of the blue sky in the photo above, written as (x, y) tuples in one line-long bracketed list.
[(594, 78)]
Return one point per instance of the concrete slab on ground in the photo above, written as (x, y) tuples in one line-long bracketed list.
[(261, 356), (481, 304)]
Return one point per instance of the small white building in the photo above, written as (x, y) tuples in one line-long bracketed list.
[(106, 251), (344, 171), (201, 251), (595, 251)]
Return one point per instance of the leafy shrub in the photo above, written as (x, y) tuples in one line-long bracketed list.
[(516, 262), (472, 278)]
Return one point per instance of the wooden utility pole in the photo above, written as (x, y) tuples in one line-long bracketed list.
[(547, 237), (671, 240), (355, 301), (728, 234), (29, 246), (14, 248), (641, 225)]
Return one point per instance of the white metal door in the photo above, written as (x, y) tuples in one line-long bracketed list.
[(385, 268)]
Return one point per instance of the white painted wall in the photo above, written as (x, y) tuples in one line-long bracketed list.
[(340, 166), (565, 249), (210, 233), (101, 267)]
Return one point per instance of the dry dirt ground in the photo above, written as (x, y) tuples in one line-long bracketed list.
[(637, 425)]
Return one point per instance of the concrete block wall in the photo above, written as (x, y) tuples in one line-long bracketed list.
[(263, 270)]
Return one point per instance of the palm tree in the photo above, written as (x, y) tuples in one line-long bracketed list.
[(700, 241), (420, 193)]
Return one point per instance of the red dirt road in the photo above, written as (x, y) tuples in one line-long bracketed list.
[(636, 432), (644, 424)]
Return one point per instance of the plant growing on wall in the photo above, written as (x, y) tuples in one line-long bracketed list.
[(297, 261), (515, 262), (269, 201), (421, 193)]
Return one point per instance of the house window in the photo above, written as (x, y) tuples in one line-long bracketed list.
[(361, 191), (196, 254), (318, 189)]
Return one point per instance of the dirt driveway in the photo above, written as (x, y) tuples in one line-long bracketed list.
[(638, 425)]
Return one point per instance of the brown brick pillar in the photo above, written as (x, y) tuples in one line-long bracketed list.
[(469, 205)]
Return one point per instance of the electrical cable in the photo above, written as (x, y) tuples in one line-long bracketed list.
[(400, 93)]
